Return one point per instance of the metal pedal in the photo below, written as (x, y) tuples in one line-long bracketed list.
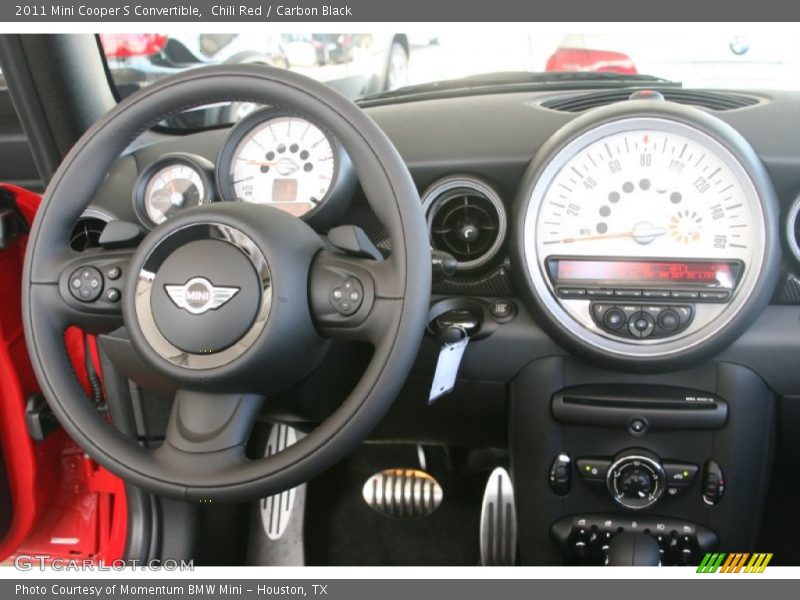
[(278, 521), (499, 521), (406, 493), (276, 511)]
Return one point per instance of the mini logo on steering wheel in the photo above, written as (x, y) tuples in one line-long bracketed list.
[(199, 295)]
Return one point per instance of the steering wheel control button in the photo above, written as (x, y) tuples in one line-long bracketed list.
[(593, 469), (86, 284), (347, 296), (113, 295), (205, 296), (114, 273), (561, 474)]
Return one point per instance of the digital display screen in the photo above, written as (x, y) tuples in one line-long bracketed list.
[(284, 190), (657, 273)]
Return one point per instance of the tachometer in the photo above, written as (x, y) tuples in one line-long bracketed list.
[(170, 184), (647, 229), (279, 159)]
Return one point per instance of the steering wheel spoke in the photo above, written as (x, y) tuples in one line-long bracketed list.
[(207, 433), (352, 298)]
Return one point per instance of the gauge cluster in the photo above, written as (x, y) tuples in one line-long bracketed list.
[(271, 158), (646, 235)]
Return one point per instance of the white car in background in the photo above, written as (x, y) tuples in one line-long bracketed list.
[(713, 60)]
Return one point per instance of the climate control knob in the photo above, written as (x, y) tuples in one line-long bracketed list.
[(636, 479)]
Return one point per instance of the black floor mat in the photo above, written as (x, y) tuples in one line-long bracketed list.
[(342, 530)]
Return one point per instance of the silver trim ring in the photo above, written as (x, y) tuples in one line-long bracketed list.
[(661, 480), (579, 323), (435, 194), (794, 212), (189, 360)]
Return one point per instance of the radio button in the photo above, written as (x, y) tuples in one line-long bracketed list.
[(669, 320), (685, 295), (599, 310), (684, 312), (628, 293), (641, 324), (655, 293), (714, 296), (614, 318), (571, 292), (599, 293), (629, 309)]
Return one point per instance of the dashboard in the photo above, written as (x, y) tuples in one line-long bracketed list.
[(627, 238), (628, 272)]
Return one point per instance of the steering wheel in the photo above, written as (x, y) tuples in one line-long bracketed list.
[(231, 302)]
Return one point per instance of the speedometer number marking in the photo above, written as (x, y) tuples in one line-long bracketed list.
[(284, 161), (619, 196)]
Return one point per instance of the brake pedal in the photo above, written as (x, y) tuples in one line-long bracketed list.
[(407, 493), (276, 510), (499, 521)]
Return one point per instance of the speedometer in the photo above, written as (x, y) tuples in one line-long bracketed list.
[(647, 227), (650, 191), (281, 160)]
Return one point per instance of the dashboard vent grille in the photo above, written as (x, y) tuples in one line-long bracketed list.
[(467, 219), (716, 101), (86, 233)]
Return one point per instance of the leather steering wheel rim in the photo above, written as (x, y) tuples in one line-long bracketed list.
[(391, 194)]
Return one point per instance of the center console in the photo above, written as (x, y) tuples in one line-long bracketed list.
[(683, 458)]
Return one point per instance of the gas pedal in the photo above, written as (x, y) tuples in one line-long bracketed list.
[(498, 521), (403, 493)]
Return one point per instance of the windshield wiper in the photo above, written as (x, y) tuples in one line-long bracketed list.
[(514, 80)]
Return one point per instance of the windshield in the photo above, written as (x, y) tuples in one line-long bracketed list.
[(366, 64)]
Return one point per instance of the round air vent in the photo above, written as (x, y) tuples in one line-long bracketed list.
[(793, 229), (465, 218), (86, 233)]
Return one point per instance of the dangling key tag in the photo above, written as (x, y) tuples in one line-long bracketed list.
[(444, 380)]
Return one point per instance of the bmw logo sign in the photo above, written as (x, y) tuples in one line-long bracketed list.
[(739, 45)]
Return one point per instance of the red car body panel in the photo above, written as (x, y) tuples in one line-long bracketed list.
[(64, 505)]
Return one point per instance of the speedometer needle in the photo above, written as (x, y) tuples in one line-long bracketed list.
[(641, 233)]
